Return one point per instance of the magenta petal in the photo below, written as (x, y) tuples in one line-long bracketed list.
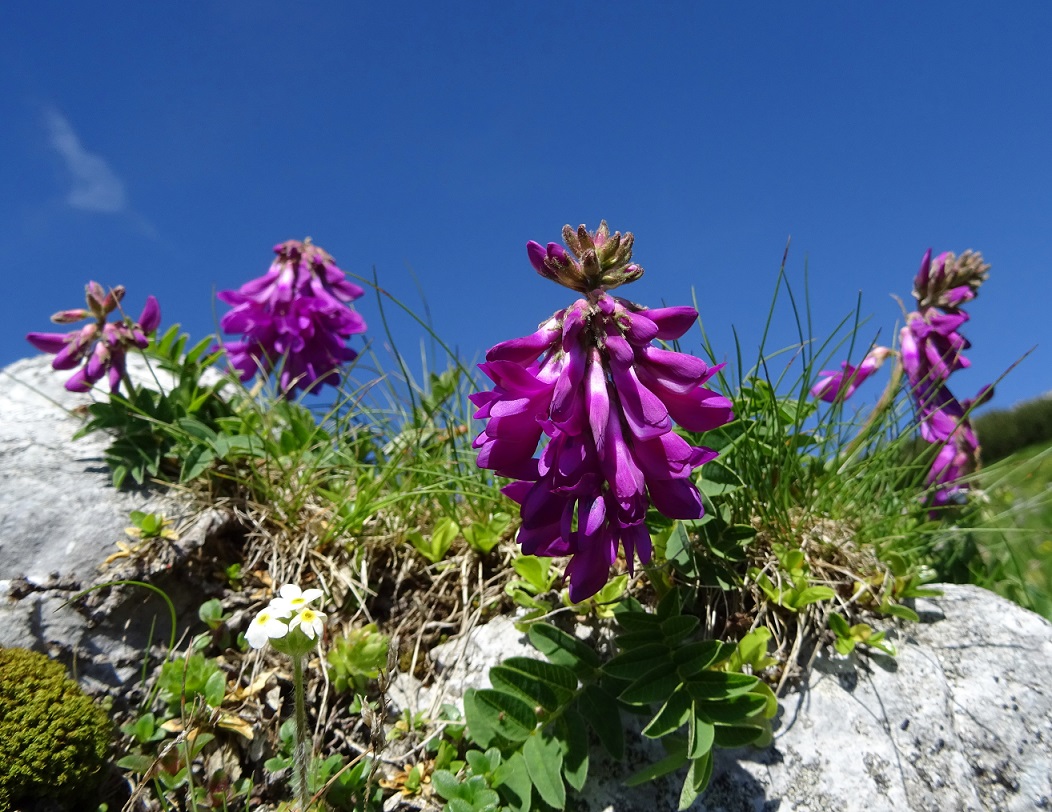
[(527, 349), (597, 401), (589, 568), (920, 282), (677, 499), (150, 318), (639, 328), (700, 410), (567, 406), (48, 342), (535, 251), (676, 371), (828, 386), (79, 382), (672, 322)]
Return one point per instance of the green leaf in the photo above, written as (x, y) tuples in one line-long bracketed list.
[(688, 795), (195, 462), (636, 661), (215, 689), (442, 536), (732, 711), (752, 650), (492, 713), (676, 758), (672, 716), (525, 686), (700, 736), (544, 762), (639, 622), (670, 605), (196, 429), (599, 708), (631, 640), (697, 780), (812, 594), (562, 648), (472, 793), (696, 657), (135, 763), (575, 749), (838, 625), (656, 685), (483, 763), (512, 780), (732, 736), (715, 686), (898, 610), (535, 571), (561, 679), (677, 628)]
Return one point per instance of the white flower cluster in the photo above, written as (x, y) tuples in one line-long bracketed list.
[(289, 611)]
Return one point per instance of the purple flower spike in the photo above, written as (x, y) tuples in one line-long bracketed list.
[(840, 385), (98, 348), (931, 350), (295, 317), (592, 382)]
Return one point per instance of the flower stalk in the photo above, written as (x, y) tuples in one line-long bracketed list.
[(302, 753), (292, 626)]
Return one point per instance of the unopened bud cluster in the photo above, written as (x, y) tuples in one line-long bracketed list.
[(596, 260)]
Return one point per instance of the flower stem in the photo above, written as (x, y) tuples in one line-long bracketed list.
[(302, 753), (885, 402)]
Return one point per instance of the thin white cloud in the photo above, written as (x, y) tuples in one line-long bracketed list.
[(95, 186)]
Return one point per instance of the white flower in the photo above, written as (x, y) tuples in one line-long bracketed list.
[(308, 621), (267, 625), (293, 599)]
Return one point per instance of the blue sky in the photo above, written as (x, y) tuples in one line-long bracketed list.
[(167, 147)]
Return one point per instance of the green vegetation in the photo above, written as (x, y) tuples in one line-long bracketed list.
[(1005, 431), (53, 738), (1014, 538)]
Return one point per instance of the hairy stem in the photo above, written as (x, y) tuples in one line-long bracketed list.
[(302, 753)]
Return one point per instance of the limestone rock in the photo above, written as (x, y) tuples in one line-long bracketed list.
[(60, 518)]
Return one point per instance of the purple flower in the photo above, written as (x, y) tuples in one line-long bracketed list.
[(958, 455), (295, 317), (931, 349), (98, 348), (840, 385), (591, 381)]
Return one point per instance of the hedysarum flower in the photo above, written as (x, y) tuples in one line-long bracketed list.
[(101, 346), (841, 384), (296, 317), (592, 381)]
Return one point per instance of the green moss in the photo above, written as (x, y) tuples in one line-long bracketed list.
[(53, 738)]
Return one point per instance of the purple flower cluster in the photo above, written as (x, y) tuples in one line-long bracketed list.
[(592, 381), (102, 345), (295, 317), (931, 350)]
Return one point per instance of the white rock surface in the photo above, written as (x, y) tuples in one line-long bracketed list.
[(60, 518)]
